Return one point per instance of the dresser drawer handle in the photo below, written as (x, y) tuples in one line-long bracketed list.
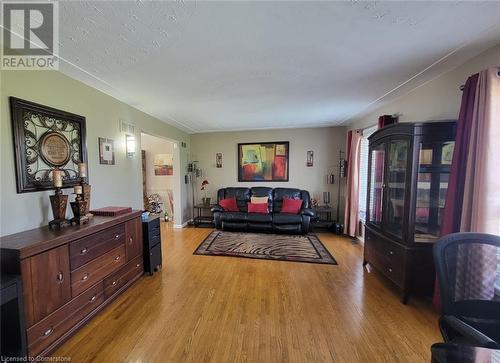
[(60, 276), (47, 332), (117, 236), (85, 277), (391, 252), (117, 258), (138, 265), (130, 240), (93, 298), (113, 283), (390, 269), (84, 251)]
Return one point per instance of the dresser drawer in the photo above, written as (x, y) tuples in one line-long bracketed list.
[(120, 278), (86, 249), (45, 332), (386, 256), (96, 270)]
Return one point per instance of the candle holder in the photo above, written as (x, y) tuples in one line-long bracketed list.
[(86, 190), (78, 208), (58, 202)]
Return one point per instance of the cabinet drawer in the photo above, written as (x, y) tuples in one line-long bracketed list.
[(96, 270), (386, 256), (153, 241), (120, 278), (49, 282), (133, 243), (49, 329), (83, 250)]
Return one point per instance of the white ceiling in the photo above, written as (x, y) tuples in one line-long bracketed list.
[(209, 66)]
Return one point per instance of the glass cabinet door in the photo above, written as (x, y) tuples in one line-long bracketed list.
[(433, 175), (376, 192), (397, 164)]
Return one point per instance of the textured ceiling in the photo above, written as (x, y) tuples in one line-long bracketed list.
[(207, 66)]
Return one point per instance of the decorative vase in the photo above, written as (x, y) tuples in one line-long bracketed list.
[(58, 202), (206, 200)]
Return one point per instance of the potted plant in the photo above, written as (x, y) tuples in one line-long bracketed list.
[(204, 187)]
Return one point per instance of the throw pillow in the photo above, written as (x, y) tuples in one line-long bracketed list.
[(229, 204), (291, 206), (258, 208), (259, 200)]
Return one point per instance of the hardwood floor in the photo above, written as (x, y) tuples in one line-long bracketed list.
[(226, 309)]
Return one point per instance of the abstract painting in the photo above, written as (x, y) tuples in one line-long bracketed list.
[(261, 162), (164, 164)]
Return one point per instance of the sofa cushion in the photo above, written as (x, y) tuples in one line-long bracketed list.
[(234, 217), (286, 218), (291, 205), (229, 204), (260, 218)]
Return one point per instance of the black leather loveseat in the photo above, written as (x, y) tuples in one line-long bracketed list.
[(275, 221)]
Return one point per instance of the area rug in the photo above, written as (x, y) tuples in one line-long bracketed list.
[(302, 248)]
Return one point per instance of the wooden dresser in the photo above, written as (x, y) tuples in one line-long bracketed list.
[(69, 275)]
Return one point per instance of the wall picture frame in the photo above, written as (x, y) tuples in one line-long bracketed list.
[(218, 160), (263, 161), (46, 138), (106, 151)]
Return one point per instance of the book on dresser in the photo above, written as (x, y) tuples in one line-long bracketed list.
[(69, 275)]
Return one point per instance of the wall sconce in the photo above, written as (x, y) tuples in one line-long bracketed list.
[(130, 146)]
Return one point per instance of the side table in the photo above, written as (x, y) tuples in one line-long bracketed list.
[(203, 215)]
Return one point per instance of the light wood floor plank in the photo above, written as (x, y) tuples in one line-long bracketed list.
[(226, 309)]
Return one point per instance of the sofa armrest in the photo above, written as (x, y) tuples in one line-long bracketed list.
[(307, 212), (217, 208)]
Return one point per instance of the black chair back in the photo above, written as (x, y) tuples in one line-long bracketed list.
[(468, 269)]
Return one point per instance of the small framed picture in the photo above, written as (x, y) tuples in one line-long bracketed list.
[(218, 160), (310, 158), (106, 151)]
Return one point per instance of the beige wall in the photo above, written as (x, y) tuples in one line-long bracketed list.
[(120, 184), (325, 142), (437, 99)]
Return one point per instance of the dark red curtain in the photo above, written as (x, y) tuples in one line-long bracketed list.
[(454, 195)]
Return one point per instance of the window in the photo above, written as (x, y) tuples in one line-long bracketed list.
[(363, 171)]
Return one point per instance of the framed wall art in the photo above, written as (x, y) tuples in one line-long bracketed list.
[(261, 162), (164, 164), (218, 160), (106, 151), (46, 138)]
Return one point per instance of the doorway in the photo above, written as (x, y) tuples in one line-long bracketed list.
[(160, 171)]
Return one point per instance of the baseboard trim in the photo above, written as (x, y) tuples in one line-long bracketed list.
[(183, 225)]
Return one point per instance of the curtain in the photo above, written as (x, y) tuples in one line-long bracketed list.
[(351, 217), (473, 196)]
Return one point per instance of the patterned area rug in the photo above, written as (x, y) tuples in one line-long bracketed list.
[(304, 248)]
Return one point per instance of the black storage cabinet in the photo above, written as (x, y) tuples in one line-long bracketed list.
[(152, 244), (12, 319)]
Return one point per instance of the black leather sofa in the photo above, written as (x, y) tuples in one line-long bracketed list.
[(274, 222)]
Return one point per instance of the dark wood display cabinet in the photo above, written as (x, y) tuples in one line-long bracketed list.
[(69, 275), (409, 166)]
